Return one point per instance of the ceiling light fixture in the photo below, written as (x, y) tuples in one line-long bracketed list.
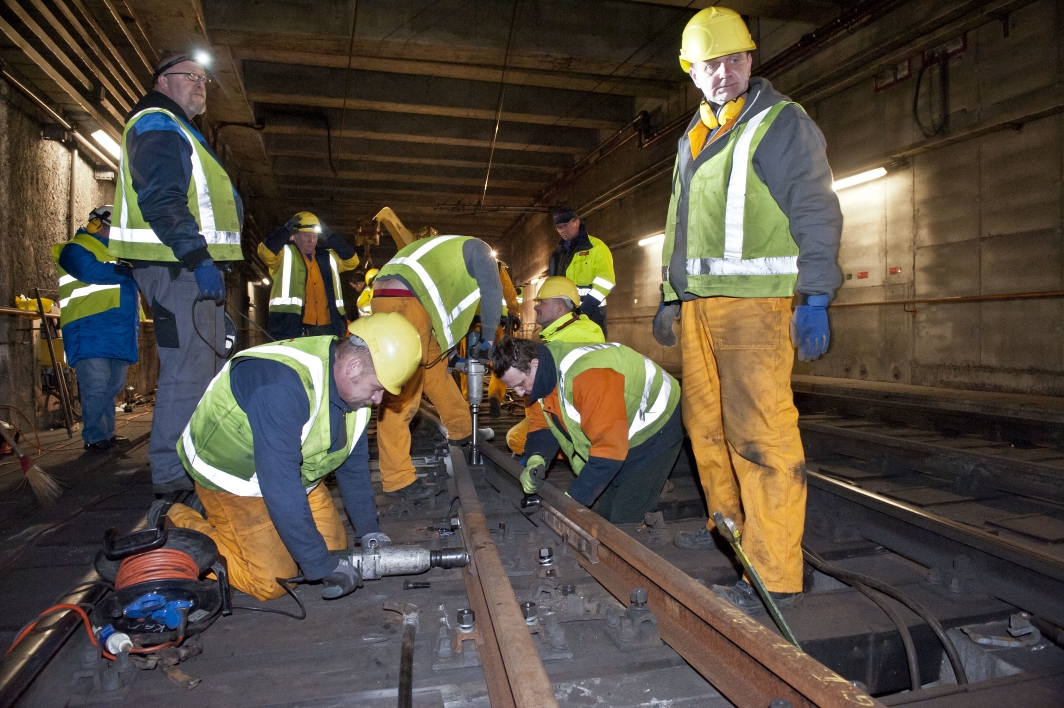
[(859, 178), (652, 240), (107, 143)]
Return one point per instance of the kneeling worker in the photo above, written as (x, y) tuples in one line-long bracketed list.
[(556, 312), (274, 422), (611, 410)]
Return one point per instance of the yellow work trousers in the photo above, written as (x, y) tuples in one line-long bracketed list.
[(248, 540), (516, 436), (395, 412), (739, 411)]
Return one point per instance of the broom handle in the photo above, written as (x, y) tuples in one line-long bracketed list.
[(60, 379)]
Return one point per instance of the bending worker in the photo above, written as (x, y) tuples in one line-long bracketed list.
[(586, 261), (100, 317), (557, 312), (612, 411), (509, 321), (178, 221), (436, 283), (305, 259), (276, 420), (752, 152)]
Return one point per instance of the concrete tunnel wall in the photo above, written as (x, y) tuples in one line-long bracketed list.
[(980, 216)]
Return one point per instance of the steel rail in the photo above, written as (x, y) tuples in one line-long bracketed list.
[(524, 670), (1015, 573), (743, 659)]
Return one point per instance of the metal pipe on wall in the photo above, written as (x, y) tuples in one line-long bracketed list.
[(72, 214)]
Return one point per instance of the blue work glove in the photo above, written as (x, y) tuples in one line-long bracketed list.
[(292, 224), (534, 474), (341, 581), (667, 314), (809, 328), (485, 350), (210, 282), (377, 539)]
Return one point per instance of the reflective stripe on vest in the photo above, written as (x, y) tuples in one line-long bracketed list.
[(286, 295), (78, 299), (206, 219), (447, 318), (250, 488), (644, 417)]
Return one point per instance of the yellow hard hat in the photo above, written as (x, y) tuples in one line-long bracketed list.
[(307, 222), (558, 286), (371, 274), (394, 345), (711, 33)]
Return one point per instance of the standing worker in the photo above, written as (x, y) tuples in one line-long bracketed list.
[(586, 261), (752, 221), (436, 283), (557, 303), (179, 221), (99, 314), (305, 259), (613, 412), (275, 422)]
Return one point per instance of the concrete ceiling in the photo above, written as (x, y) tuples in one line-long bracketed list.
[(458, 114)]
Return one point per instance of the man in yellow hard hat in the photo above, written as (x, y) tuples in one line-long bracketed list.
[(557, 312), (276, 420), (753, 221), (306, 259)]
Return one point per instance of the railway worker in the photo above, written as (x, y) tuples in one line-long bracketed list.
[(436, 283), (586, 261), (100, 317), (559, 316), (306, 259), (509, 320), (613, 412), (276, 420), (748, 151), (178, 221)]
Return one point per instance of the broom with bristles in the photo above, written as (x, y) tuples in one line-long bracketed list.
[(44, 486)]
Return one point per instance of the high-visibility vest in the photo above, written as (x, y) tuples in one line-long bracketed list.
[(78, 299), (210, 200), (570, 328), (592, 271), (739, 242), (650, 394), (217, 448), (435, 270), (289, 290)]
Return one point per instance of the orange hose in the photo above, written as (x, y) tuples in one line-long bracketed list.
[(160, 564)]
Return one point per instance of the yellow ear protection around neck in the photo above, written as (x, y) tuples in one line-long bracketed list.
[(727, 112)]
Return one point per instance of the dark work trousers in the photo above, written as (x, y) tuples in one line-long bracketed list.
[(187, 363), (637, 486)]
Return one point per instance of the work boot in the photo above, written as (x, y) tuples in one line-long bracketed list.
[(743, 596), (99, 446), (699, 540), (119, 440), (420, 490), (494, 409)]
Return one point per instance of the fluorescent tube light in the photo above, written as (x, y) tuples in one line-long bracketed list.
[(651, 240), (107, 143), (859, 178)]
